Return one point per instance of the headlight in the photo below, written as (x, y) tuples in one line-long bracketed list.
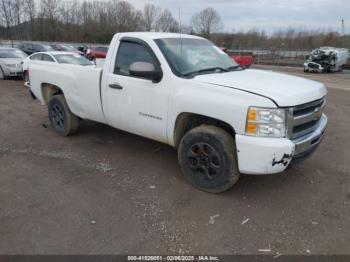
[(266, 122)]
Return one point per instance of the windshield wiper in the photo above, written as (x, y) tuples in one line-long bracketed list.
[(212, 69), (231, 68)]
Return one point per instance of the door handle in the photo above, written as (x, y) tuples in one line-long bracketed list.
[(116, 86)]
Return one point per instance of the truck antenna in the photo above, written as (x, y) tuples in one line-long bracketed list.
[(180, 29)]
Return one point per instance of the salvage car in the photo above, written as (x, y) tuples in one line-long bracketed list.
[(326, 59), (10, 62), (184, 91), (46, 58)]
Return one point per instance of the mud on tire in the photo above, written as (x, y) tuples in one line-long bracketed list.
[(208, 159)]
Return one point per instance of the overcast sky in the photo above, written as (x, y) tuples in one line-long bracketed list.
[(270, 15)]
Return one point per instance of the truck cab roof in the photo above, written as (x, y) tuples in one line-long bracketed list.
[(155, 35)]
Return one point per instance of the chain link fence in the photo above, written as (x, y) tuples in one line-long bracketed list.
[(275, 57)]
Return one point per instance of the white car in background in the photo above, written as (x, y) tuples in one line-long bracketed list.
[(10, 62), (46, 58)]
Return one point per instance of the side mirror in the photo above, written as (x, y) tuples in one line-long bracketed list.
[(145, 70)]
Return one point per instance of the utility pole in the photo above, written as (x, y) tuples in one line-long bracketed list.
[(342, 27)]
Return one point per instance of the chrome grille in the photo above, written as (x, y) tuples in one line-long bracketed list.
[(304, 119)]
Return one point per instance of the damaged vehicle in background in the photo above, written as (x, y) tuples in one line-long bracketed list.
[(326, 59)]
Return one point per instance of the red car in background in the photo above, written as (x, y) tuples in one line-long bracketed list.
[(245, 60), (97, 52)]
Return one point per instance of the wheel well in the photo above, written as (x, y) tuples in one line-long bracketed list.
[(49, 90), (187, 121)]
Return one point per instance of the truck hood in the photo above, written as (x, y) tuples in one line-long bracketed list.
[(283, 89)]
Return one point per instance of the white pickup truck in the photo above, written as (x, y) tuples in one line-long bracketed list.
[(184, 91)]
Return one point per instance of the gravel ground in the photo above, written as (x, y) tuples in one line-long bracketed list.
[(105, 191)]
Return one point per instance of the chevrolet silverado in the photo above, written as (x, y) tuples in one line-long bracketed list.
[(184, 91)]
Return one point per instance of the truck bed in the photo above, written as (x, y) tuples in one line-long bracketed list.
[(80, 85)]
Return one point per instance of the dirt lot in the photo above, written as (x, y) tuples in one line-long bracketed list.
[(109, 192)]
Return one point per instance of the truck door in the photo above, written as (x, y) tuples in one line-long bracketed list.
[(136, 104)]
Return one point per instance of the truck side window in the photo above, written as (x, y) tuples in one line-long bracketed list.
[(129, 53)]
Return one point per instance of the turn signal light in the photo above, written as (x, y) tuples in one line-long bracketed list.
[(251, 128)]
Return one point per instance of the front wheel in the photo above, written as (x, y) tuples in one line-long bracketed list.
[(208, 159), (2, 74), (26, 77), (63, 121)]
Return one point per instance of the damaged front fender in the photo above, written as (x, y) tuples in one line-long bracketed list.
[(258, 155)]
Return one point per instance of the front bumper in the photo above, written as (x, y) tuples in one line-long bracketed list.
[(314, 67), (258, 155), (12, 71)]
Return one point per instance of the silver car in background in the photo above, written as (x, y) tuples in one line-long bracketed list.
[(57, 57), (10, 62)]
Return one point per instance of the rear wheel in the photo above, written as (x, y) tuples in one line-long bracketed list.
[(208, 159), (63, 121)]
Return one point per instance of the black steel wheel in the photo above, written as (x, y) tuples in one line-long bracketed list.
[(57, 117), (208, 159), (204, 160), (63, 121)]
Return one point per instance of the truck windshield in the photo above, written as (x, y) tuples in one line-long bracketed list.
[(190, 56)]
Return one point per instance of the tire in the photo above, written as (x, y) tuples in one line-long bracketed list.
[(208, 159), (2, 74), (63, 121), (25, 76)]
